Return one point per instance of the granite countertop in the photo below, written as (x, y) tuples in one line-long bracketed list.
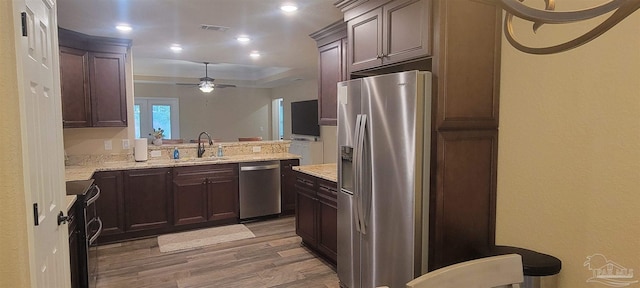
[(86, 172), (70, 200), (324, 171)]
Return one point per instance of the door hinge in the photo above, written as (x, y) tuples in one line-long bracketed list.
[(23, 15), (36, 220)]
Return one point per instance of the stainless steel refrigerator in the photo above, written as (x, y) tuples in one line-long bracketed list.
[(384, 125)]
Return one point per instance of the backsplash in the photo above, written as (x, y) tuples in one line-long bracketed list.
[(186, 151)]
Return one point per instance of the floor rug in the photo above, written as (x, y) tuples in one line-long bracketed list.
[(203, 237)]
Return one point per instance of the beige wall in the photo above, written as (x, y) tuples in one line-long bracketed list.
[(226, 114), (569, 152), (300, 91), (14, 267)]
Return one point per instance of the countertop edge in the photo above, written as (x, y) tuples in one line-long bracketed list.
[(86, 172), (323, 171)]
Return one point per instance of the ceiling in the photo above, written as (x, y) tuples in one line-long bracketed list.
[(287, 52)]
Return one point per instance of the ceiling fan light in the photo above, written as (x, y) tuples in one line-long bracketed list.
[(206, 86)]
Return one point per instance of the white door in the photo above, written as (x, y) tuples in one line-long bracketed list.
[(42, 146)]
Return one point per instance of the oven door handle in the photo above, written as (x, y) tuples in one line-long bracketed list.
[(94, 197), (98, 232)]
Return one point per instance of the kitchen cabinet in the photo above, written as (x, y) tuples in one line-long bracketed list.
[(148, 201), (328, 218), (288, 182), (110, 205), (392, 33), (316, 214), (205, 193), (74, 241), (332, 68), (462, 41), (92, 77)]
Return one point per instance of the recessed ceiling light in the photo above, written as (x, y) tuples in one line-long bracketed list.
[(176, 48), (243, 39), (288, 7), (123, 27), (254, 54)]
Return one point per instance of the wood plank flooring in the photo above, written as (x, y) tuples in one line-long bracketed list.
[(274, 258)]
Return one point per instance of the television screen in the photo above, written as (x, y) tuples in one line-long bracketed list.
[(304, 118)]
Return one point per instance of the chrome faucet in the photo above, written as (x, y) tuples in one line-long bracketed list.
[(201, 146)]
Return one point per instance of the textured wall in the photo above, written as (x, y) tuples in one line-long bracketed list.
[(569, 152), (14, 267)]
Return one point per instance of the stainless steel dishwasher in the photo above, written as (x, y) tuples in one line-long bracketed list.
[(259, 189)]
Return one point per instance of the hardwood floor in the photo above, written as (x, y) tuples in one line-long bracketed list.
[(274, 258)]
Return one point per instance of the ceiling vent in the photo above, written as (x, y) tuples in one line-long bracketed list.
[(213, 28)]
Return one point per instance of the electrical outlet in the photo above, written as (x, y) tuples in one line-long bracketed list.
[(108, 145), (125, 143), (257, 149), (156, 153)]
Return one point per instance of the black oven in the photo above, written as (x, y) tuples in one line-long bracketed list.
[(89, 228)]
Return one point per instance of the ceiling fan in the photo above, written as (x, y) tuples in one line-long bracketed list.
[(206, 84)]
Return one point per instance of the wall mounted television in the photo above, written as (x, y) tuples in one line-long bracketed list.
[(304, 118)]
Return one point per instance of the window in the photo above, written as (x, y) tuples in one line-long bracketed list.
[(277, 115), (155, 113)]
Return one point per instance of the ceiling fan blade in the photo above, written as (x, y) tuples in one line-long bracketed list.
[(224, 85), (188, 84)]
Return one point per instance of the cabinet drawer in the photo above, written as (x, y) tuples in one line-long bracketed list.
[(328, 192), (304, 180), (207, 171)]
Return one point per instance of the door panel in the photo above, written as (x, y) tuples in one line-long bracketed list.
[(76, 108), (401, 40), (108, 96), (148, 199), (365, 46), (41, 118)]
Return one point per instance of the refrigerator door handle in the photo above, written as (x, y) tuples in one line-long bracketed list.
[(356, 171), (360, 176)]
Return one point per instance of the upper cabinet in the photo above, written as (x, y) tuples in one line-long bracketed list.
[(92, 76), (332, 68), (392, 33)]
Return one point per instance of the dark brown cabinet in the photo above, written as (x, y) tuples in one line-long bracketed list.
[(316, 214), (205, 193), (148, 201), (395, 32), (92, 76), (332, 68), (288, 182), (110, 205), (328, 218)]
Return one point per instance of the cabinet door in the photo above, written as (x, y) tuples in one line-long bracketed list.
[(223, 191), (110, 205), (74, 82), (189, 199), (464, 211), (148, 198), (328, 219), (330, 73), (108, 89), (306, 211), (365, 41), (288, 182), (406, 30)]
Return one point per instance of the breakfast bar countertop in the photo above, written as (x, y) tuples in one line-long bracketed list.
[(85, 172), (327, 171)]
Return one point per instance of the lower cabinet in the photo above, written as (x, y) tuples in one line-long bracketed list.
[(316, 214), (147, 196), (288, 182), (110, 205), (205, 193)]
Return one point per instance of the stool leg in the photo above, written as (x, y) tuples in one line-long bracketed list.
[(531, 282)]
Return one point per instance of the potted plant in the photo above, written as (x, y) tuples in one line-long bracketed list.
[(157, 136)]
